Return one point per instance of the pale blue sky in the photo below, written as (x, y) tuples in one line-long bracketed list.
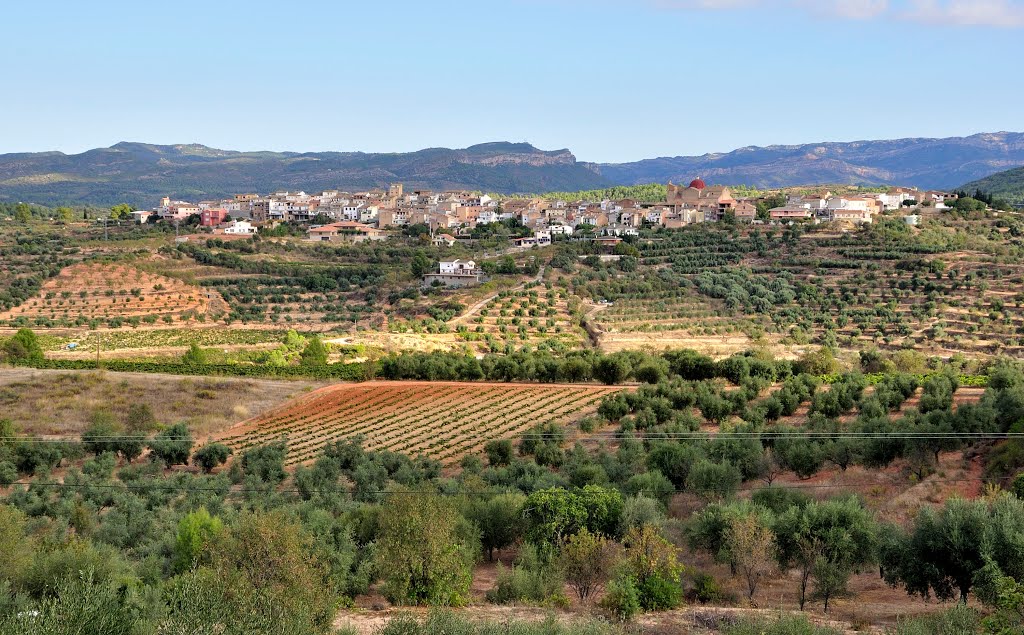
[(613, 80)]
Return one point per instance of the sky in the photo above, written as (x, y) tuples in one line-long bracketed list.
[(612, 80)]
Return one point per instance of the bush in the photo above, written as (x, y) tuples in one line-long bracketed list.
[(194, 356), (779, 499), (784, 625), (140, 418), (195, 531), (81, 604), (650, 484), (651, 562), (499, 452), (211, 455), (315, 353), (529, 580), (713, 481), (705, 589), (173, 445), (958, 620), (266, 462), (8, 473), (419, 551), (623, 598), (31, 456), (659, 593), (99, 437), (23, 347), (1018, 486), (586, 561)]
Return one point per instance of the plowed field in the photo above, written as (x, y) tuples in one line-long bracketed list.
[(442, 420)]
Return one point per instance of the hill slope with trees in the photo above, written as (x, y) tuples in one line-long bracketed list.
[(1008, 185)]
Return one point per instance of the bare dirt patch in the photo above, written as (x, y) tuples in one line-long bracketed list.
[(60, 403)]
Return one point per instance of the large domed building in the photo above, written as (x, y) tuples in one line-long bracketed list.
[(709, 203)]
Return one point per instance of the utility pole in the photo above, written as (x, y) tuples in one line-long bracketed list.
[(105, 228)]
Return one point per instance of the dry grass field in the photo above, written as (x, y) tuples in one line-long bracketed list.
[(62, 403)]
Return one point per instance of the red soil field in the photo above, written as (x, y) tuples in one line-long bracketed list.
[(441, 420)]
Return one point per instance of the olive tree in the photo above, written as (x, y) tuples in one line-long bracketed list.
[(826, 542), (419, 551)]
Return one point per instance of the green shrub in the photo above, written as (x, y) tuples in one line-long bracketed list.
[(658, 593), (958, 620), (265, 462), (442, 622), (211, 455), (623, 598), (527, 583), (713, 481), (8, 473), (173, 445), (784, 625), (1018, 486), (706, 588)]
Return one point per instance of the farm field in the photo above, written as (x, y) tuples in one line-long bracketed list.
[(540, 314), (441, 420), (111, 295), (950, 286), (146, 343)]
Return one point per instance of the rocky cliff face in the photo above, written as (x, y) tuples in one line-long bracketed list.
[(535, 158)]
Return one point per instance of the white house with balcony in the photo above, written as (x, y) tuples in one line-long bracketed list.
[(454, 273), (456, 266), (240, 227)]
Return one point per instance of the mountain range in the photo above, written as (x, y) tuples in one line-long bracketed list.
[(140, 173)]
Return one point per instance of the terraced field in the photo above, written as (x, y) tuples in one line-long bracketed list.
[(533, 315), (952, 286), (442, 420), (88, 292)]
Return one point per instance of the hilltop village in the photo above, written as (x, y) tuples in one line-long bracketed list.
[(340, 216)]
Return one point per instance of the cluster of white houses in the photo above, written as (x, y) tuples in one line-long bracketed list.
[(338, 216)]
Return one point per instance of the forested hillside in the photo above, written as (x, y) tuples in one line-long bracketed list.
[(1008, 185)]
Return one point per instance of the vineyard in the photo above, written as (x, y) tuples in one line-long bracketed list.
[(444, 421), (110, 294)]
